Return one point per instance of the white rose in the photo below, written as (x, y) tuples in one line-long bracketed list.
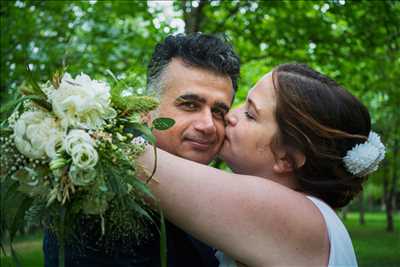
[(80, 146), (82, 102), (84, 156), (81, 177), (37, 134), (75, 137)]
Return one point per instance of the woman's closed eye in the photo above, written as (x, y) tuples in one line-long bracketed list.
[(249, 116)]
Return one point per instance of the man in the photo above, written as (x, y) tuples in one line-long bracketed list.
[(195, 77)]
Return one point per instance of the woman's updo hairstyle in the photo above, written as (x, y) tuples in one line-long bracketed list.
[(322, 120)]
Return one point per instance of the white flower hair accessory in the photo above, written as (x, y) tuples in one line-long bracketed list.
[(364, 158)]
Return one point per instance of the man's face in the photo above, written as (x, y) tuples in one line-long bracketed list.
[(197, 100)]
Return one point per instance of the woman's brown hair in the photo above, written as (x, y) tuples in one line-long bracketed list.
[(320, 119)]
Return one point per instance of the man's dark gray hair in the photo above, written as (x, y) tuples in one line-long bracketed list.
[(200, 50)]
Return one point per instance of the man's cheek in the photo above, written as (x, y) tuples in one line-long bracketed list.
[(221, 134)]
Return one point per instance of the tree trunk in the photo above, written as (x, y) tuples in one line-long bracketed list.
[(389, 215), (192, 15), (390, 189), (343, 212), (362, 209)]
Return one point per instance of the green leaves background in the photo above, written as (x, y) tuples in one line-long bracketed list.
[(355, 42)]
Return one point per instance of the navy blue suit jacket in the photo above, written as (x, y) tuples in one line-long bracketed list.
[(183, 251)]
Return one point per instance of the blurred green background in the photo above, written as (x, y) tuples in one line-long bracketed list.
[(355, 42)]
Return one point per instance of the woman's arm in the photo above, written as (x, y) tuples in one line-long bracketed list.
[(250, 218)]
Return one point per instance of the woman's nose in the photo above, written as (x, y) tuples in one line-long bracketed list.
[(231, 118)]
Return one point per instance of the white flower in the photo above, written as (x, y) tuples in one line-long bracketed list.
[(82, 102), (364, 158), (84, 156), (80, 146), (37, 134), (48, 88), (75, 137), (81, 177), (139, 141)]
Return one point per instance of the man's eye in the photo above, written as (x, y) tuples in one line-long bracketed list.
[(189, 105), (219, 114)]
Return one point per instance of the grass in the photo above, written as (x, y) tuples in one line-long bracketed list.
[(373, 245), (28, 249)]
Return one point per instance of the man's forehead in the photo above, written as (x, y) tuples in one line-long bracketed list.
[(179, 79)]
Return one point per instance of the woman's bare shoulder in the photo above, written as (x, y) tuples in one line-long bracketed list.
[(284, 222)]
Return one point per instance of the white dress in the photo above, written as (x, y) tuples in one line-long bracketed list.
[(341, 249)]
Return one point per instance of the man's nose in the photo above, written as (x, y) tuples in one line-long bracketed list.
[(206, 123)]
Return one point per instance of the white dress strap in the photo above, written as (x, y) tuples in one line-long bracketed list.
[(341, 249)]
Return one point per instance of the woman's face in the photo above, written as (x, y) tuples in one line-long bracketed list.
[(249, 131)]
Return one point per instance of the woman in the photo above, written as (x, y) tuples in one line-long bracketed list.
[(300, 147)]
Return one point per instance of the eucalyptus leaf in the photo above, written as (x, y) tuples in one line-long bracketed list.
[(163, 123)]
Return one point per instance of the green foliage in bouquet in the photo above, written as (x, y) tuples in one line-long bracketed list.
[(69, 150)]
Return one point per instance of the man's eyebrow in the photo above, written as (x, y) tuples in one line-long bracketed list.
[(190, 97), (197, 98)]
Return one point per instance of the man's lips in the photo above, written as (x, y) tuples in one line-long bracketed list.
[(200, 144)]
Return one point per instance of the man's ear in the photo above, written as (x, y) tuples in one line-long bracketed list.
[(285, 163)]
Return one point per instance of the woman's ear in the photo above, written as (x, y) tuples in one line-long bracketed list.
[(299, 158), (287, 160)]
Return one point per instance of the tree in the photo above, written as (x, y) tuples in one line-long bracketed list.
[(354, 42)]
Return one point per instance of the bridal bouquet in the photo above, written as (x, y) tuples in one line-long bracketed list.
[(68, 150)]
